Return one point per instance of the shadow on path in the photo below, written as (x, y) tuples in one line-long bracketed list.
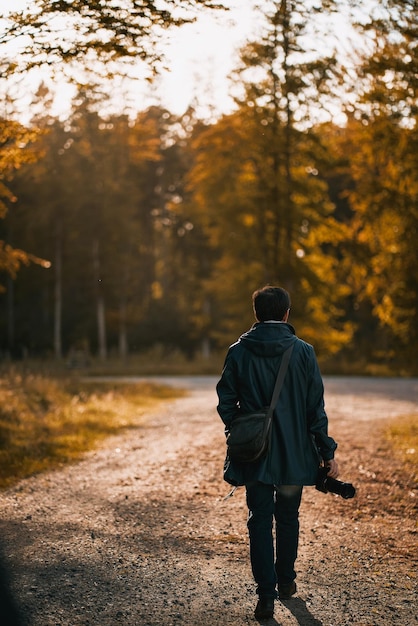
[(298, 608)]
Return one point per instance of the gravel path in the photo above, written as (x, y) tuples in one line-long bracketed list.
[(138, 532)]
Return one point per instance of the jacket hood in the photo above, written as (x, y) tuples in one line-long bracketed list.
[(268, 339)]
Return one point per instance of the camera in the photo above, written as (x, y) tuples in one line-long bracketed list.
[(329, 485)]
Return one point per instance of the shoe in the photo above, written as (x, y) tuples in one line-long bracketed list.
[(264, 608), (287, 591)]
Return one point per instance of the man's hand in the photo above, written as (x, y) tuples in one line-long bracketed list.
[(333, 468)]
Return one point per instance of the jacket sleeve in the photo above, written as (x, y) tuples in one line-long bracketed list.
[(227, 390), (316, 415)]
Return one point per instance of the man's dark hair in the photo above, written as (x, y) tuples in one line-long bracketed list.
[(270, 303)]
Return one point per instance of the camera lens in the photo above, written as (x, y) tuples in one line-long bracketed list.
[(347, 490)]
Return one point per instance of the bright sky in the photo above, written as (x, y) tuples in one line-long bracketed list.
[(202, 55), (199, 56)]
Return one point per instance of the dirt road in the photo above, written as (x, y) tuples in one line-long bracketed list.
[(138, 533)]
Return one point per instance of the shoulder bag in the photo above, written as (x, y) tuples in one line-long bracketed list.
[(249, 435)]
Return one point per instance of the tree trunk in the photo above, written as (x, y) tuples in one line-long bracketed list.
[(10, 315), (123, 333), (205, 347), (101, 327), (100, 303), (58, 296)]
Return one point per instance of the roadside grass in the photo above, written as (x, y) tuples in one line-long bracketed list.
[(46, 420), (402, 434)]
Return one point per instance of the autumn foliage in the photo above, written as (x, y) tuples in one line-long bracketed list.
[(158, 228)]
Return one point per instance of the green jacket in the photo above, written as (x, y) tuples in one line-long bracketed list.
[(299, 438)]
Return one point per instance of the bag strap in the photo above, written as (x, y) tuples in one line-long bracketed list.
[(279, 380)]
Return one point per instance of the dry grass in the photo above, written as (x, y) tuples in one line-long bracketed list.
[(403, 436), (46, 421)]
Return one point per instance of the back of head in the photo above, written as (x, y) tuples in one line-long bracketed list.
[(270, 303)]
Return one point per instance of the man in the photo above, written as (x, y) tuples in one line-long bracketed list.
[(299, 439)]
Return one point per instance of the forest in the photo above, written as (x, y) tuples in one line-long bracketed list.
[(121, 233)]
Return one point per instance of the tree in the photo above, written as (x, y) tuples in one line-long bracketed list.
[(17, 146), (280, 82), (259, 183), (382, 141)]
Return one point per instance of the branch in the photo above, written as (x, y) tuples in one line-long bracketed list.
[(59, 30)]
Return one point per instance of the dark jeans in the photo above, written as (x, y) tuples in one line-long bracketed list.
[(270, 566)]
